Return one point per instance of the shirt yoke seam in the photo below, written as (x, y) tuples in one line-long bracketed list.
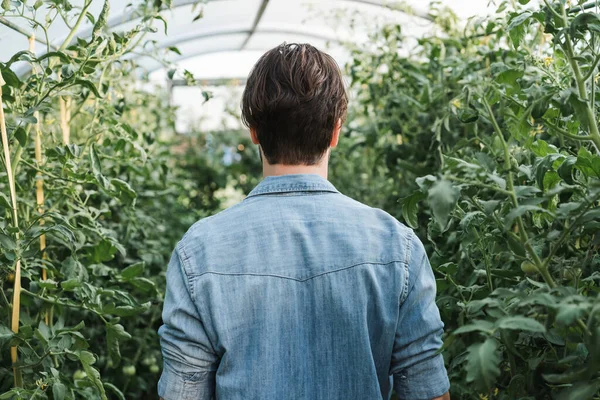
[(296, 279)]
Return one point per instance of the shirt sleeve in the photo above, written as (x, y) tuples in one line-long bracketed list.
[(189, 361), (419, 372)]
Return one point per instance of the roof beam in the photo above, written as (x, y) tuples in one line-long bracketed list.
[(128, 17), (131, 15), (211, 82), (259, 14), (193, 54), (207, 35), (392, 6), (23, 32)]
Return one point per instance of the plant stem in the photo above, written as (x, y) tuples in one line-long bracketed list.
[(563, 132), (51, 175), (61, 303), (580, 80), (39, 182), (543, 269), (18, 377), (567, 232), (73, 31), (479, 184)]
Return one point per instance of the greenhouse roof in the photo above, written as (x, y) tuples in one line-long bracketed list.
[(230, 34)]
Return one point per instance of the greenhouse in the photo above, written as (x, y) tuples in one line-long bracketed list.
[(140, 139)]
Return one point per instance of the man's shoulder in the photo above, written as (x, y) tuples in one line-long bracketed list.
[(344, 217), (376, 215), (223, 220)]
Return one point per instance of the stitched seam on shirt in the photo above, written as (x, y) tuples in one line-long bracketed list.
[(295, 279), (184, 260), (406, 264), (298, 192), (300, 186)]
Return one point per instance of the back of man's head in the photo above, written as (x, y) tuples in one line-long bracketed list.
[(294, 99)]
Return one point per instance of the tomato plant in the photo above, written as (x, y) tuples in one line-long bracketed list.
[(93, 197), (489, 137)]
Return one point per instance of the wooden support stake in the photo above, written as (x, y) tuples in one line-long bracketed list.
[(16, 304), (65, 118)]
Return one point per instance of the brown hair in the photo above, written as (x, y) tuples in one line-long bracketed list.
[(293, 99)]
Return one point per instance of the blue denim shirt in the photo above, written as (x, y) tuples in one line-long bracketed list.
[(299, 292)]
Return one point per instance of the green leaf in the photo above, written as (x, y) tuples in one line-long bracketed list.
[(144, 284), (115, 390), (199, 15), (580, 391), (483, 362), (95, 161), (585, 22), (125, 311), (516, 246), (174, 50), (516, 27), (97, 167), (6, 334), (124, 189), (47, 284), (475, 326), (410, 207), (519, 211), (161, 18), (102, 19), (70, 284), (568, 313), (133, 270), (467, 115), (21, 136), (59, 391), (59, 54), (442, 199), (87, 359), (516, 322), (10, 78), (114, 334), (89, 85)]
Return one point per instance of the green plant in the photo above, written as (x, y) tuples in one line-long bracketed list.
[(494, 129), (93, 201)]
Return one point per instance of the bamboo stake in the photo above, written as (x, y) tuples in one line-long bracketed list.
[(16, 305), (39, 183), (65, 118)]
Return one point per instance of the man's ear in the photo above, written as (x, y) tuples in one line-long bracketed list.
[(336, 133), (253, 136)]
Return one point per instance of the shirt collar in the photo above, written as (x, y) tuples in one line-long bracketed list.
[(293, 183)]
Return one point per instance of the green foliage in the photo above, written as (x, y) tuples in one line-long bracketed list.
[(485, 140), (119, 190)]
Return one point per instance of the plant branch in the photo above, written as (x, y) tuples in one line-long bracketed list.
[(579, 79), (563, 132), (73, 31), (513, 196)]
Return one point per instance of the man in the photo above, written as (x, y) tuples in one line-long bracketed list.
[(299, 292)]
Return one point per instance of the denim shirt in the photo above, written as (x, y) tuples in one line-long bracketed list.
[(299, 292)]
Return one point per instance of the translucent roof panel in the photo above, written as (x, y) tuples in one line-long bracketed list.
[(307, 20), (196, 48)]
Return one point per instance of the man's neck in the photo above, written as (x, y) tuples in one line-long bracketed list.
[(280, 169)]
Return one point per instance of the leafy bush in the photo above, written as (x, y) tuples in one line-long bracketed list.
[(100, 200), (493, 129)]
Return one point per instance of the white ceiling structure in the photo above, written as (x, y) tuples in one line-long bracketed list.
[(232, 34), (233, 31)]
